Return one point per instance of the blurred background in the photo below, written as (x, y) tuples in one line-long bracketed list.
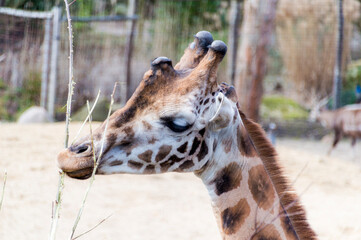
[(291, 63), (286, 49), (295, 42)]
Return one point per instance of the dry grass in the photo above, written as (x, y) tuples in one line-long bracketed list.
[(306, 31)]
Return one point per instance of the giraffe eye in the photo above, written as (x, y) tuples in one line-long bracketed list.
[(176, 124)]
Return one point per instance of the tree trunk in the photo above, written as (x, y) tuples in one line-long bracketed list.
[(257, 28), (233, 38)]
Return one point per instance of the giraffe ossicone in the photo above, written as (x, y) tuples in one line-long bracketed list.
[(180, 120)]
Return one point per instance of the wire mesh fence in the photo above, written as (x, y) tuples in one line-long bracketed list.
[(301, 53)]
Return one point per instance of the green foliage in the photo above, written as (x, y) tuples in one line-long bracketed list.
[(15, 101), (38, 5), (281, 108), (347, 97), (353, 76), (99, 114)]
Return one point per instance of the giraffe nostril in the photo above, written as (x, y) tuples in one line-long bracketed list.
[(79, 149)]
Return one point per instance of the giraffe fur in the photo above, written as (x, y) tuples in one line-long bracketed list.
[(181, 120)]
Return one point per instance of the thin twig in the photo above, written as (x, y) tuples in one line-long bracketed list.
[(3, 192), (91, 229), (58, 200), (95, 162), (86, 119), (71, 76), (72, 2)]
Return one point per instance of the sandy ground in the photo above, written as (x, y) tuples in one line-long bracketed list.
[(168, 206)]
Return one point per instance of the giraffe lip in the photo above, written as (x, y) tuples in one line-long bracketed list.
[(81, 174)]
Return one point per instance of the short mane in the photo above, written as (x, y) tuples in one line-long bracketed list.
[(289, 200)]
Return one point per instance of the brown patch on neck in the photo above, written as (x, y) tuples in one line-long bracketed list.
[(227, 179), (244, 143), (268, 232), (261, 187), (288, 200), (232, 218), (227, 144)]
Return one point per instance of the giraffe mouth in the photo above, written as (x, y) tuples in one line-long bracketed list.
[(81, 174)]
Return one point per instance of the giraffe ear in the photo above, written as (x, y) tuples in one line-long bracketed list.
[(223, 113)]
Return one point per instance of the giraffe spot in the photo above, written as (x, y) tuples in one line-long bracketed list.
[(111, 138), (201, 102), (127, 146), (146, 125), (125, 116), (135, 165), (287, 225), (164, 150), (233, 217), (227, 144), (146, 156), (183, 148), (261, 187), (213, 100), (268, 232), (152, 140), (186, 165), (244, 143), (175, 159), (203, 151), (195, 145), (206, 101), (116, 163), (165, 166), (202, 131), (128, 131), (150, 169), (227, 179)]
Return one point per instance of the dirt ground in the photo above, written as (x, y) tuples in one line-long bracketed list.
[(168, 206)]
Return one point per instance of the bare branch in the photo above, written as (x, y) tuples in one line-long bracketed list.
[(3, 191), (86, 119), (58, 200), (95, 162), (91, 229)]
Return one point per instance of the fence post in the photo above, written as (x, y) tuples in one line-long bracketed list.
[(337, 78), (129, 49), (45, 67), (233, 39), (54, 60)]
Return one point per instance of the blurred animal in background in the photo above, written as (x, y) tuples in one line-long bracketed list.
[(345, 121)]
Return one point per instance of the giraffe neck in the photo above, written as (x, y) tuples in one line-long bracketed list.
[(246, 202)]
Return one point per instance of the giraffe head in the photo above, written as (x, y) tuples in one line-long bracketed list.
[(167, 124)]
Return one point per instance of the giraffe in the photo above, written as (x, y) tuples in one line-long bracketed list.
[(180, 120)]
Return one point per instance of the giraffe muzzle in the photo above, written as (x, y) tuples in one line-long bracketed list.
[(77, 161)]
